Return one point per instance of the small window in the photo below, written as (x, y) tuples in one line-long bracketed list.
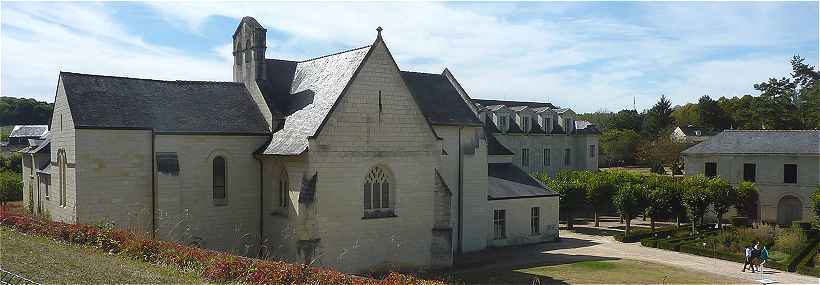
[(535, 221), (499, 224), (45, 180), (283, 189), (592, 151), (502, 123), (749, 172), (526, 123), (219, 179), (548, 124), (167, 164), (568, 125), (61, 165), (790, 173), (567, 157), (710, 169), (525, 157), (546, 157)]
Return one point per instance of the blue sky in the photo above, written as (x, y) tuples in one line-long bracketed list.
[(584, 55)]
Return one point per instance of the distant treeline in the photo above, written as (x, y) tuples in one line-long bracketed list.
[(783, 104), (24, 111)]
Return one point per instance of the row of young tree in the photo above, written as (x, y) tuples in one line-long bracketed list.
[(631, 137), (654, 196)]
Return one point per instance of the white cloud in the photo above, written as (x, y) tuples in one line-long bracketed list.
[(584, 62)]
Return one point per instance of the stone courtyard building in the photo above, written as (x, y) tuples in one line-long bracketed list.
[(784, 165), (343, 160)]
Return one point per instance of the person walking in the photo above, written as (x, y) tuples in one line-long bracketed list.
[(754, 256), (748, 255), (764, 255)]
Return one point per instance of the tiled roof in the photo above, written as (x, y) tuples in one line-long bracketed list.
[(760, 142), (507, 181), (439, 100), (28, 131), (489, 102), (98, 101), (316, 86)]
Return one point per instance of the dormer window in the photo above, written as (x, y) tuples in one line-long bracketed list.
[(526, 123), (548, 124), (502, 123), (568, 125)]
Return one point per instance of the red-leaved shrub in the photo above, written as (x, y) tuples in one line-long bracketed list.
[(212, 265)]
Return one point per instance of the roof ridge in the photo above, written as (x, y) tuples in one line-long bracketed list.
[(419, 72), (332, 54), (150, 79)]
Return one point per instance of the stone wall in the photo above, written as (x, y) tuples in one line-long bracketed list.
[(63, 138), (769, 177), (357, 137), (518, 220), (536, 143)]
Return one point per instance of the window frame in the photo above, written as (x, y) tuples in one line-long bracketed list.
[(592, 151), (535, 221), (706, 169), (499, 224), (525, 123), (567, 157), (283, 189), (378, 193), (793, 179), (502, 123), (217, 201), (525, 157), (746, 176), (61, 166), (547, 157)]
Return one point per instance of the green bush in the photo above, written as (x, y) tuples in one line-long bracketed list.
[(649, 242), (11, 187)]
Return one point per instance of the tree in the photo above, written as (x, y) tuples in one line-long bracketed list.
[(661, 150), (723, 197), (687, 115), (599, 190), (659, 194), (746, 197), (659, 118), (627, 200), (618, 145), (712, 116), (571, 193), (626, 120), (696, 199), (11, 188), (676, 206), (24, 111)]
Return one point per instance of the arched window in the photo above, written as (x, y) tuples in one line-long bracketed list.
[(248, 47), (377, 196), (219, 178), (283, 189), (61, 164)]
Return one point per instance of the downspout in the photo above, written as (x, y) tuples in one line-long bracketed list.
[(460, 193), (153, 188), (261, 203)]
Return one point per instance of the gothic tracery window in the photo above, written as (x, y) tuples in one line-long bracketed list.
[(377, 196)]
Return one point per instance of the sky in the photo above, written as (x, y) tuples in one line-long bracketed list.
[(588, 56)]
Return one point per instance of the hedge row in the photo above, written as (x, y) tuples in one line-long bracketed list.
[(806, 264), (211, 265), (637, 234)]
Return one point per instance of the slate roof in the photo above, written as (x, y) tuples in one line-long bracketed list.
[(489, 102), (315, 88), (98, 101), (760, 142), (28, 131), (507, 181), (439, 100), (586, 127)]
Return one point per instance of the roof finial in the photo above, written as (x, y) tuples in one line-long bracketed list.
[(379, 31)]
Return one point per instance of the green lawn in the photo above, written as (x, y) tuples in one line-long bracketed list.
[(47, 261), (621, 271)]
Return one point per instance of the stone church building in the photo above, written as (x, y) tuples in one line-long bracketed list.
[(343, 160)]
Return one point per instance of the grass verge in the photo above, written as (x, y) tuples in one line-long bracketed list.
[(47, 261)]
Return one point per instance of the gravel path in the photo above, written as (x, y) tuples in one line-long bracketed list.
[(606, 246)]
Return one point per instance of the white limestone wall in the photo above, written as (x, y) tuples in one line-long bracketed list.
[(475, 184), (518, 220), (29, 184), (62, 137), (281, 224), (536, 143), (186, 209), (114, 178), (769, 177), (356, 138)]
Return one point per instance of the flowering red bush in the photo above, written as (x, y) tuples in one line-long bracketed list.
[(211, 265)]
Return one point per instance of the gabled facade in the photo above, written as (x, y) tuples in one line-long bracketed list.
[(342, 160)]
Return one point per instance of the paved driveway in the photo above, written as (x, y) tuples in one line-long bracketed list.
[(599, 245)]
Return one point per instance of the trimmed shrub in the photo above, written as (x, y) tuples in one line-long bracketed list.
[(212, 266)]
